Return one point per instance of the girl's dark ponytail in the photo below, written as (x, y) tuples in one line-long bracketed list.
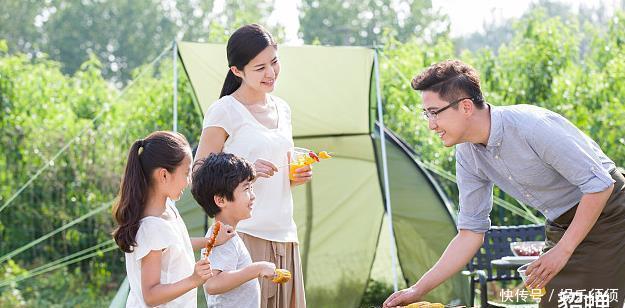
[(132, 197), (231, 84), (159, 150), (243, 46)]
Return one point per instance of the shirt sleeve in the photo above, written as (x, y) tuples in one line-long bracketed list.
[(224, 257), (571, 153), (476, 198), (153, 235), (218, 115)]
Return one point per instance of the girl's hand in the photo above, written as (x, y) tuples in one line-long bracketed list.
[(202, 272), (302, 175), (264, 168), (266, 269), (225, 234)]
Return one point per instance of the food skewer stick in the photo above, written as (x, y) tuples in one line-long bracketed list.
[(211, 240)]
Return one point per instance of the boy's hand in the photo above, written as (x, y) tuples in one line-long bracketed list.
[(266, 269), (264, 168), (225, 233), (202, 272)]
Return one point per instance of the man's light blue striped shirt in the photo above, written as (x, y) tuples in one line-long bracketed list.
[(534, 155)]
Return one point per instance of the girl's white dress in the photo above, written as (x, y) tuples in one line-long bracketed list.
[(169, 234)]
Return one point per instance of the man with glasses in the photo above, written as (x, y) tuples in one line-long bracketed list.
[(539, 158)]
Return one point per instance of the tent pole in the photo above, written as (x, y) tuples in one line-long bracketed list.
[(387, 198), (175, 107), (307, 235)]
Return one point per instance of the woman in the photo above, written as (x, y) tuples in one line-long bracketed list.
[(248, 122)]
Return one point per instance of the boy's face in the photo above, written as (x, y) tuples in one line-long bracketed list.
[(450, 124), (241, 207)]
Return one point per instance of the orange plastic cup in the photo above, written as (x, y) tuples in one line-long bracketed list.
[(298, 160)]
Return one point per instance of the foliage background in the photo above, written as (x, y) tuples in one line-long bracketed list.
[(63, 66)]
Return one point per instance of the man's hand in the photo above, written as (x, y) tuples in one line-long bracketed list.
[(402, 298), (540, 272)]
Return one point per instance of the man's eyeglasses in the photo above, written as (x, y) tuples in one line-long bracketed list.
[(433, 114)]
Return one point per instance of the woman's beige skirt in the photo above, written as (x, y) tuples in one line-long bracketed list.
[(595, 274), (283, 255)]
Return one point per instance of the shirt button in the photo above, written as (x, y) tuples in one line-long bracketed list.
[(527, 195), (546, 211), (509, 178), (496, 156), (498, 144)]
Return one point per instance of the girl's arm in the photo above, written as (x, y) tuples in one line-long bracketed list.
[(155, 293), (222, 282), (199, 242)]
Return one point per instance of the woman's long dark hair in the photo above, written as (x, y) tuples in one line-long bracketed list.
[(160, 149), (243, 46)]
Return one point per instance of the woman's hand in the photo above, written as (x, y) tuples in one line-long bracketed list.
[(302, 175), (264, 168)]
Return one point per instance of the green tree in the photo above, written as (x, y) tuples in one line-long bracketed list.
[(122, 34), (237, 13), (498, 33), (352, 22), (44, 110)]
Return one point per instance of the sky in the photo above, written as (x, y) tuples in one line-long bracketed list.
[(466, 16)]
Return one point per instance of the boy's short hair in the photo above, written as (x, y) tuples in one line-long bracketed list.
[(451, 80), (219, 174)]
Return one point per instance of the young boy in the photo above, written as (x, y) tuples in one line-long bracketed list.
[(222, 185)]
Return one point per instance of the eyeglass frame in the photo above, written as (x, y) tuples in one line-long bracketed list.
[(433, 115)]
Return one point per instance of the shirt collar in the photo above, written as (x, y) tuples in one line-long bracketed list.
[(496, 127)]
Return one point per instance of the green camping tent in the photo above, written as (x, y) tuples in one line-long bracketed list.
[(331, 91)]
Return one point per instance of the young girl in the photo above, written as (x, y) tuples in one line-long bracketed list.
[(160, 264), (250, 123)]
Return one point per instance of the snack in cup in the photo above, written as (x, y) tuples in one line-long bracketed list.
[(301, 157), (313, 155), (324, 155)]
